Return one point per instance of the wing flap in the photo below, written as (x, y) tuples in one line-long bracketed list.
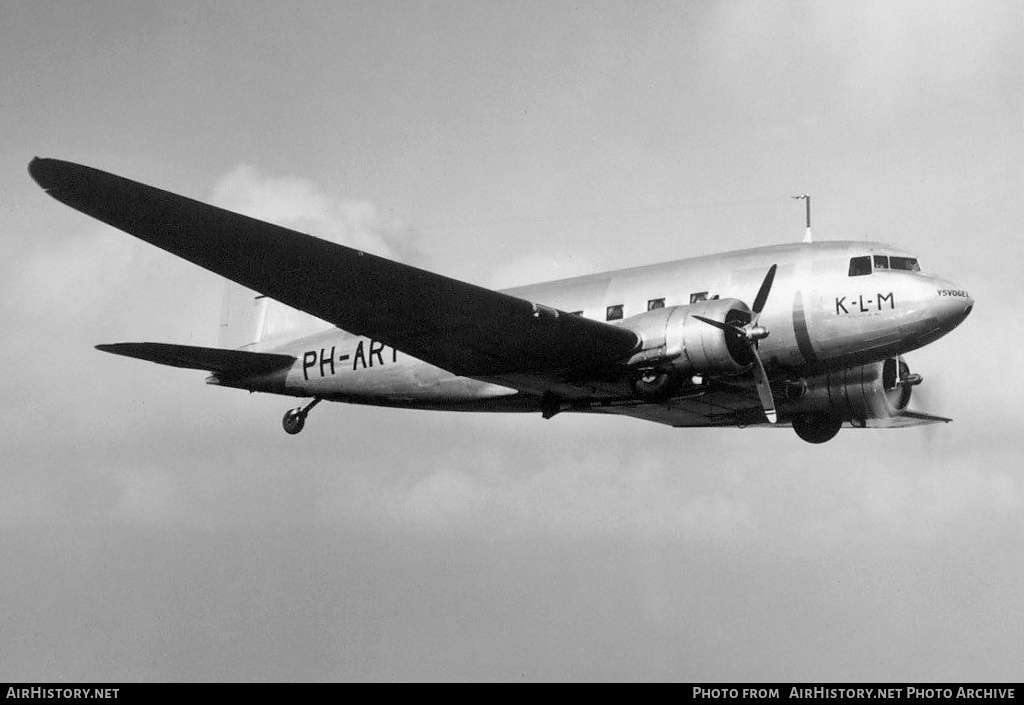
[(197, 358), (466, 329)]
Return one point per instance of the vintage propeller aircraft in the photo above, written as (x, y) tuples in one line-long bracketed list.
[(819, 344)]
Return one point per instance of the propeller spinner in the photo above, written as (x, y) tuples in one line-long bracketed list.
[(750, 333)]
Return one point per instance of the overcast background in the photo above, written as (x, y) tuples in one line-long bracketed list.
[(154, 528)]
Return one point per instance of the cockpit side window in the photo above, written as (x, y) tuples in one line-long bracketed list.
[(908, 264), (860, 266)]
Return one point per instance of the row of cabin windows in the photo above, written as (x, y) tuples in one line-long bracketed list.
[(859, 266), (615, 312)]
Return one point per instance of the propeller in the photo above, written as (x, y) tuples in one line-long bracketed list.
[(750, 333), (927, 399)]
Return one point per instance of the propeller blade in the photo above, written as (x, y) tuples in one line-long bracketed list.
[(762, 293), (764, 390), (752, 333), (727, 327)]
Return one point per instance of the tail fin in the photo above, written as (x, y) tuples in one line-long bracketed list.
[(249, 320), (243, 316)]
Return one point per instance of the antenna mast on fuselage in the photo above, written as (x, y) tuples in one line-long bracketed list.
[(805, 197)]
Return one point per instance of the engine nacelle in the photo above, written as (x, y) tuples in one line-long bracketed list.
[(676, 346), (876, 391)]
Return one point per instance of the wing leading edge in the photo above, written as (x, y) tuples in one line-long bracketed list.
[(463, 328)]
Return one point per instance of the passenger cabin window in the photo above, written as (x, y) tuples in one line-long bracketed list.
[(860, 266), (655, 303), (881, 262), (698, 296), (907, 264), (613, 313)]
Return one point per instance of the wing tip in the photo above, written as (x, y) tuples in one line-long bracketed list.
[(123, 349), (46, 172)]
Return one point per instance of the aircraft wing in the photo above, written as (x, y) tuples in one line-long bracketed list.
[(463, 328), (725, 407)]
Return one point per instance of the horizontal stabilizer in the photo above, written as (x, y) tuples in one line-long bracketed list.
[(924, 418), (196, 358), (905, 419)]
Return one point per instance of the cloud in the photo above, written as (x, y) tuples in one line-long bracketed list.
[(787, 499), (539, 267), (77, 274), (300, 204), (888, 65), (147, 495)]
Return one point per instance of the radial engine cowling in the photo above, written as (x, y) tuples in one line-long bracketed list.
[(879, 390), (676, 346)]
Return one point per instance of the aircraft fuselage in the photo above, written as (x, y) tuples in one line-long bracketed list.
[(821, 318)]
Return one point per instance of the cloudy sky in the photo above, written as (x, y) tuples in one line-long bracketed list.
[(154, 528)]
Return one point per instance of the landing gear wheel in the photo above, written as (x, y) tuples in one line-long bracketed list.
[(655, 385), (817, 429), (294, 420)]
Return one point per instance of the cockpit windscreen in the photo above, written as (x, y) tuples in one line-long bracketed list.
[(859, 266)]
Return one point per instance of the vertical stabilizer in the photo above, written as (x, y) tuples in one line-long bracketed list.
[(250, 321), (243, 314)]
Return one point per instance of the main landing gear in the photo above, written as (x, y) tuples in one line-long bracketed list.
[(295, 419), (817, 429)]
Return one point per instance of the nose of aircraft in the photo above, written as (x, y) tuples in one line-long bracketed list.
[(952, 303)]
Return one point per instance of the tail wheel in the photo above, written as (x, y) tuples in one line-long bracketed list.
[(294, 420), (817, 429)]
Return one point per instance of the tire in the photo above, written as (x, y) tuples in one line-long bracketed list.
[(817, 429), (656, 386), (293, 421)]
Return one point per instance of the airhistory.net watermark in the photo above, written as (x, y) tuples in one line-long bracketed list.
[(62, 693)]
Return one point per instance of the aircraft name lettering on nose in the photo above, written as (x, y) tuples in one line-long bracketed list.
[(862, 305), (953, 292), (367, 354)]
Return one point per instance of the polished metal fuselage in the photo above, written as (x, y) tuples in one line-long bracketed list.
[(820, 319)]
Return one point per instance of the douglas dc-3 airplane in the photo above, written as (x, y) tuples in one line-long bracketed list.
[(818, 345)]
